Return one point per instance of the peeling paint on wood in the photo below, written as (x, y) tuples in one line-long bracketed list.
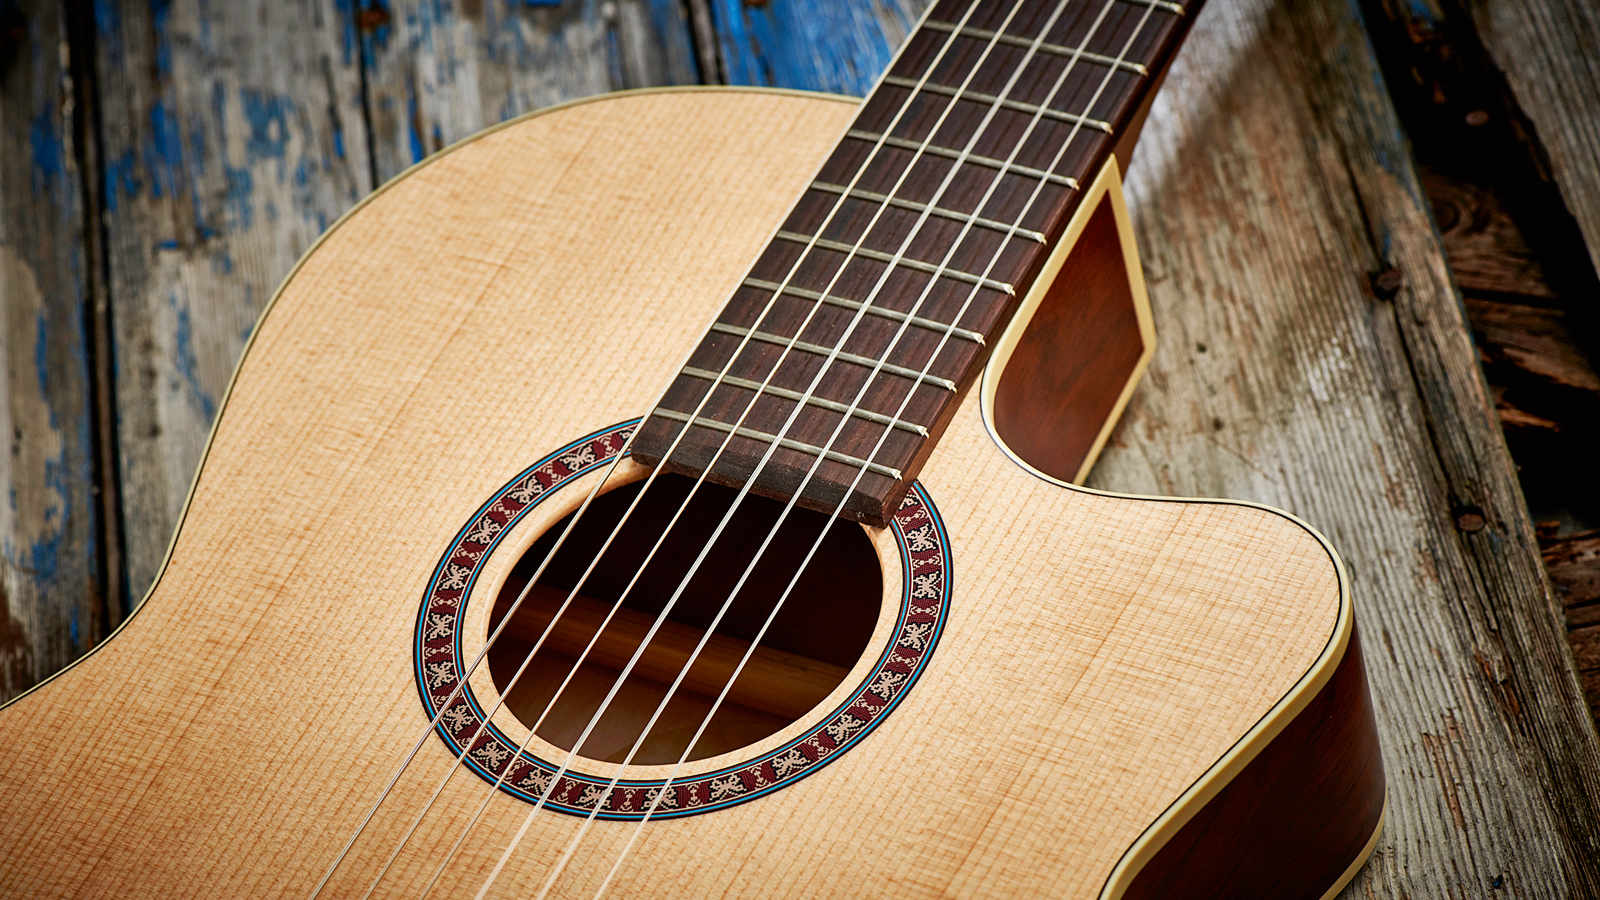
[(51, 610), (840, 47), (439, 72), (233, 136)]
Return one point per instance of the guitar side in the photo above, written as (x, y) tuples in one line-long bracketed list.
[(1125, 687)]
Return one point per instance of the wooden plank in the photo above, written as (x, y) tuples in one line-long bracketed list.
[(233, 136), (51, 605), (1574, 566), (1549, 51), (1272, 179), (1486, 249), (834, 46), (438, 73)]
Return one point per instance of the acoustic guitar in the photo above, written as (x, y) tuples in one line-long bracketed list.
[(505, 575)]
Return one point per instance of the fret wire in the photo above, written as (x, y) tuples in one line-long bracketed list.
[(765, 438), (820, 350), (798, 397), (874, 197), (1019, 106), (1164, 5), (984, 34), (905, 261), (880, 311), (987, 162)]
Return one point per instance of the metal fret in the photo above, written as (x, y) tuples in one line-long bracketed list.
[(766, 438), (820, 350), (984, 34), (874, 197), (881, 312), (1174, 8), (905, 261), (798, 397), (973, 158), (1045, 111)]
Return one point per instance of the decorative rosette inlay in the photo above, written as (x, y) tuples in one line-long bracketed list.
[(440, 661)]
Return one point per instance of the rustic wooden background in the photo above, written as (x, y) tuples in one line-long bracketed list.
[(164, 162)]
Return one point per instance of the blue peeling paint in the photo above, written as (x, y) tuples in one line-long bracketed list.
[(338, 142), (44, 555), (197, 143), (417, 153), (48, 165), (187, 365), (121, 177), (835, 45), (41, 361), (347, 14), (222, 262), (240, 202), (106, 19), (219, 111), (269, 123), (163, 153), (160, 13), (108, 27)]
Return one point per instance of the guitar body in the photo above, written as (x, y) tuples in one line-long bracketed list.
[(1130, 696)]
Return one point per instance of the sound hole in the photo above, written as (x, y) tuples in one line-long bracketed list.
[(818, 634)]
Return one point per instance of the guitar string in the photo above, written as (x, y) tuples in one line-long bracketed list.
[(552, 783), (659, 793), (572, 523), (661, 707)]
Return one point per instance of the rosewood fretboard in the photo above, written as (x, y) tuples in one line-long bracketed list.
[(975, 145)]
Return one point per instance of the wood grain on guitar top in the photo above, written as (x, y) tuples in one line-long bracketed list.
[(537, 283)]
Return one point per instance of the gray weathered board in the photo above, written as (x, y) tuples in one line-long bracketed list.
[(1272, 178)]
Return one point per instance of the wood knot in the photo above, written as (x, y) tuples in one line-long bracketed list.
[(1470, 519), (372, 16), (1386, 282)]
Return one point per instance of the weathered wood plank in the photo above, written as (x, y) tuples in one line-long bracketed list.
[(841, 47), (1486, 249), (51, 605), (233, 135), (1272, 179), (1574, 566), (1549, 51), (439, 72)]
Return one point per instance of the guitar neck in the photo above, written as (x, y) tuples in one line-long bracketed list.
[(842, 356)]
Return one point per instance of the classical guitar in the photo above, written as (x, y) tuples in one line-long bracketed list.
[(505, 575)]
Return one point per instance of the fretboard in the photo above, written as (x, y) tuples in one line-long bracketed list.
[(841, 358)]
